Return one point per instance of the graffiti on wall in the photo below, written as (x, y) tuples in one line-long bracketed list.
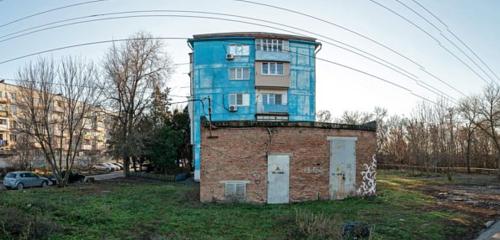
[(369, 185)]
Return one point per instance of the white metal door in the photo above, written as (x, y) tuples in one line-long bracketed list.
[(278, 175), (342, 167)]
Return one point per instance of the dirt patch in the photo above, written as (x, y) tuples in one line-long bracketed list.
[(480, 201), (476, 196)]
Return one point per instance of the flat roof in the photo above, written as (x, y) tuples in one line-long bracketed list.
[(369, 126), (252, 35)]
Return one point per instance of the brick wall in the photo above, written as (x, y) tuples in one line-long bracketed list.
[(241, 154)]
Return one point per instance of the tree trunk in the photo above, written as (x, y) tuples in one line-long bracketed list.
[(467, 156), (126, 165), (498, 164), (134, 164)]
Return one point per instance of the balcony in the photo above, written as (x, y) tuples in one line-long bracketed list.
[(86, 147), (272, 108), (4, 100), (277, 81), (272, 56)]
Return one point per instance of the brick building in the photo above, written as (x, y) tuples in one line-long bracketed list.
[(261, 142), (280, 162)]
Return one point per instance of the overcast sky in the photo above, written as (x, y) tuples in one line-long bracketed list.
[(338, 89)]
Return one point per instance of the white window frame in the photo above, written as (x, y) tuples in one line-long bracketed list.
[(239, 73), (272, 68), (231, 190), (239, 50), (271, 45), (266, 98), (234, 97)]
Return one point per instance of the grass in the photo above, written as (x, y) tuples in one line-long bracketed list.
[(139, 209)]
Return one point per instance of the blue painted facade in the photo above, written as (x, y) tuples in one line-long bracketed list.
[(210, 78)]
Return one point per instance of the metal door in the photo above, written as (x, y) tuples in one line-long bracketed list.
[(278, 175), (342, 167)]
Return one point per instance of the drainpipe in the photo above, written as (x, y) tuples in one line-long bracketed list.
[(320, 46)]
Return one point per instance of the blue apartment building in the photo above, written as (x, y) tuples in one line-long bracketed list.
[(250, 76)]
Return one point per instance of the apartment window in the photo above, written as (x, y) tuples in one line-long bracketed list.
[(239, 50), (3, 121), (272, 68), (239, 99), (13, 109), (13, 96), (271, 45), (239, 74), (273, 98), (13, 137)]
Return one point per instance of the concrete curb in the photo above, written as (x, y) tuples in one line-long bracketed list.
[(490, 233)]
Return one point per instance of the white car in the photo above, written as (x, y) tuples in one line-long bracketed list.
[(113, 167), (103, 167)]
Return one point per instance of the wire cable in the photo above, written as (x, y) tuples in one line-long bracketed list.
[(50, 10), (445, 37), (432, 37), (410, 75), (84, 44), (162, 38), (448, 29), (44, 27), (422, 68)]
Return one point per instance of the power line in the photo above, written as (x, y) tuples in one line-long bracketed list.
[(456, 37), (422, 68), (83, 44), (445, 37), (430, 36), (40, 28), (47, 11), (413, 77), (321, 59)]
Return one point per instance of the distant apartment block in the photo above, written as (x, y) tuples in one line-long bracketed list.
[(96, 126)]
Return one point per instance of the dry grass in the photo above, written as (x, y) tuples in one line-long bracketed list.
[(312, 226)]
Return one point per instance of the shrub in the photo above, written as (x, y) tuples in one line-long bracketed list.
[(311, 226), (15, 224)]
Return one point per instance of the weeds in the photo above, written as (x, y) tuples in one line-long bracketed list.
[(15, 224), (311, 226)]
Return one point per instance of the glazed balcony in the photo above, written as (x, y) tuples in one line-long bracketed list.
[(272, 108), (272, 56)]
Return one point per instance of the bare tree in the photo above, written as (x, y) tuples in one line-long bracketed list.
[(355, 117), (134, 70), (323, 116), (489, 117), (469, 110), (54, 103), (24, 152)]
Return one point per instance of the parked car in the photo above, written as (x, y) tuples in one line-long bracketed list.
[(73, 177), (20, 180), (112, 166), (102, 167), (119, 165)]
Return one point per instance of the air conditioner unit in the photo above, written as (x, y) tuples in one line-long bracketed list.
[(233, 108), (229, 56)]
